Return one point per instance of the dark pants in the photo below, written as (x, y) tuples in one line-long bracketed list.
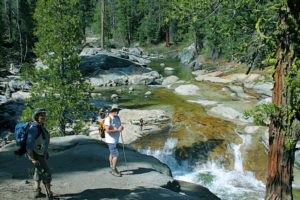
[(41, 171)]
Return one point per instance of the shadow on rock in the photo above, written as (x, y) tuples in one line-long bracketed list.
[(141, 170), (109, 193)]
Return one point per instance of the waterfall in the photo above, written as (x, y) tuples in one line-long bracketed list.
[(228, 185), (238, 161), (166, 156)]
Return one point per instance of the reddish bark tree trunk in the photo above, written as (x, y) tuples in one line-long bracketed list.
[(283, 134), (280, 166), (167, 39)]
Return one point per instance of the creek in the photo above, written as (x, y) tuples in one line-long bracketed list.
[(198, 146)]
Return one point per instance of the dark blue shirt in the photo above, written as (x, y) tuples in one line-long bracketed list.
[(32, 138)]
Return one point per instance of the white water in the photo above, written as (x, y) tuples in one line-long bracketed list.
[(228, 185)]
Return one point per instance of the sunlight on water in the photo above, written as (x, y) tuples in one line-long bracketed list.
[(231, 185), (228, 185)]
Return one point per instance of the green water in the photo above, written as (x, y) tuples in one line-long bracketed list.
[(190, 123), (182, 72), (296, 194), (199, 135)]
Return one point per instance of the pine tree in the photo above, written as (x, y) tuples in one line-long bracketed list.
[(2, 58), (59, 87), (87, 10), (26, 28), (123, 16), (149, 28)]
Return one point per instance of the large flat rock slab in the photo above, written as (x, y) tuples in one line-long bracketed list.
[(80, 171)]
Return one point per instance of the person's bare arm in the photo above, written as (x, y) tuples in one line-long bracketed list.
[(109, 129)]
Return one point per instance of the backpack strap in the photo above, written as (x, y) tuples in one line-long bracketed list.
[(27, 130), (110, 119), (40, 131)]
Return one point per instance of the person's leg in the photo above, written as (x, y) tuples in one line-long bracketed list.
[(48, 189), (37, 183), (114, 153), (110, 161), (114, 162), (46, 177)]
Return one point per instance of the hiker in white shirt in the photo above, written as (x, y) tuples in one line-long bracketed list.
[(113, 129)]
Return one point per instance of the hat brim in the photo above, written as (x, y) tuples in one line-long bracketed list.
[(115, 109), (38, 113)]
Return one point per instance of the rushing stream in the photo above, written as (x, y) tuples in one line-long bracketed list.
[(227, 184), (199, 147)]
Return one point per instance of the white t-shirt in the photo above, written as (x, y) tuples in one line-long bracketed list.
[(112, 122)]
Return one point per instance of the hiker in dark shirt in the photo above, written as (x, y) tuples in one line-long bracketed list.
[(141, 124), (37, 152)]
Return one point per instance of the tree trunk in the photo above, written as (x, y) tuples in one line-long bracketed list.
[(128, 32), (172, 31), (62, 128), (283, 130), (199, 38), (62, 122), (112, 15), (102, 24), (167, 38), (20, 33), (7, 6)]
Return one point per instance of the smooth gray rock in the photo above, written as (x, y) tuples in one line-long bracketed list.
[(188, 54), (16, 83), (229, 113), (169, 80), (261, 88), (91, 64), (187, 89), (203, 102), (9, 115), (80, 170), (237, 91)]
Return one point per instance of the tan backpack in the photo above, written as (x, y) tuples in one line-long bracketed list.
[(102, 127)]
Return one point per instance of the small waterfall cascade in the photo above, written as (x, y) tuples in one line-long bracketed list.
[(236, 184)]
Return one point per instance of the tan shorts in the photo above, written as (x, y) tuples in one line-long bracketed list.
[(41, 171)]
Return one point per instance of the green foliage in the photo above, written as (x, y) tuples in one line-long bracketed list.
[(17, 29), (2, 50), (27, 26), (261, 113), (159, 49), (133, 20), (154, 20), (289, 144), (59, 87), (125, 15), (295, 86), (109, 20), (292, 78), (95, 24), (274, 32), (87, 9)]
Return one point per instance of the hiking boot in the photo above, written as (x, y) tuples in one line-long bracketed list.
[(111, 169), (38, 194), (115, 173)]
